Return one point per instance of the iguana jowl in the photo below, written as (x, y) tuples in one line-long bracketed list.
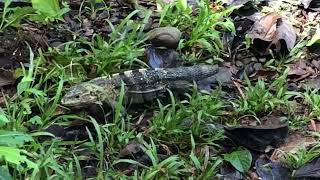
[(140, 85)]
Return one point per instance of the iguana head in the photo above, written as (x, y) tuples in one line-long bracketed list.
[(80, 95)]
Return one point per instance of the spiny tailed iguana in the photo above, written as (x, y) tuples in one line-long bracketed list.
[(139, 85)]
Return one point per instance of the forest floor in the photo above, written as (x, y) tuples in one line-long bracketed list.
[(256, 118)]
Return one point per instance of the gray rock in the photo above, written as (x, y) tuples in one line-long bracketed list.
[(257, 66), (239, 64), (165, 37), (262, 60)]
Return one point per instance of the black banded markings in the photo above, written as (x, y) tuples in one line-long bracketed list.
[(118, 77), (131, 77), (138, 76)]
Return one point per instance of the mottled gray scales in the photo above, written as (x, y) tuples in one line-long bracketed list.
[(99, 81), (128, 77)]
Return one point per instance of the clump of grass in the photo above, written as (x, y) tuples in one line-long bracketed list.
[(202, 166), (121, 50), (41, 12), (312, 98), (171, 167), (301, 157), (32, 107), (174, 166), (262, 99), (196, 115), (205, 26)]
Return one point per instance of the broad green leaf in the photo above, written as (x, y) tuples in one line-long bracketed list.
[(13, 138), (18, 14), (24, 84), (4, 174), (14, 156), (36, 92), (3, 118), (48, 9), (36, 120), (240, 159), (182, 4), (26, 106), (205, 44)]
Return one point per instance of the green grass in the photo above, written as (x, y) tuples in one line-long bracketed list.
[(42, 12), (122, 50), (263, 98), (302, 156), (197, 115), (188, 123), (312, 99), (204, 29), (180, 140)]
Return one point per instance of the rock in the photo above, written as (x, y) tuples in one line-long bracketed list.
[(257, 66), (248, 60), (193, 3), (239, 64), (2, 50), (165, 36), (262, 60)]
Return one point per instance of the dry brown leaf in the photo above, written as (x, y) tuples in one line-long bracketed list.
[(272, 28), (286, 32), (314, 126), (292, 145), (298, 69), (265, 28)]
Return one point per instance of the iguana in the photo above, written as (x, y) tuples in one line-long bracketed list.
[(140, 85)]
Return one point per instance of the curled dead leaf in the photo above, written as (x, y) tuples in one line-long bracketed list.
[(272, 28), (257, 137)]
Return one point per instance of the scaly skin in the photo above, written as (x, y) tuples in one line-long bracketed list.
[(140, 85)]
